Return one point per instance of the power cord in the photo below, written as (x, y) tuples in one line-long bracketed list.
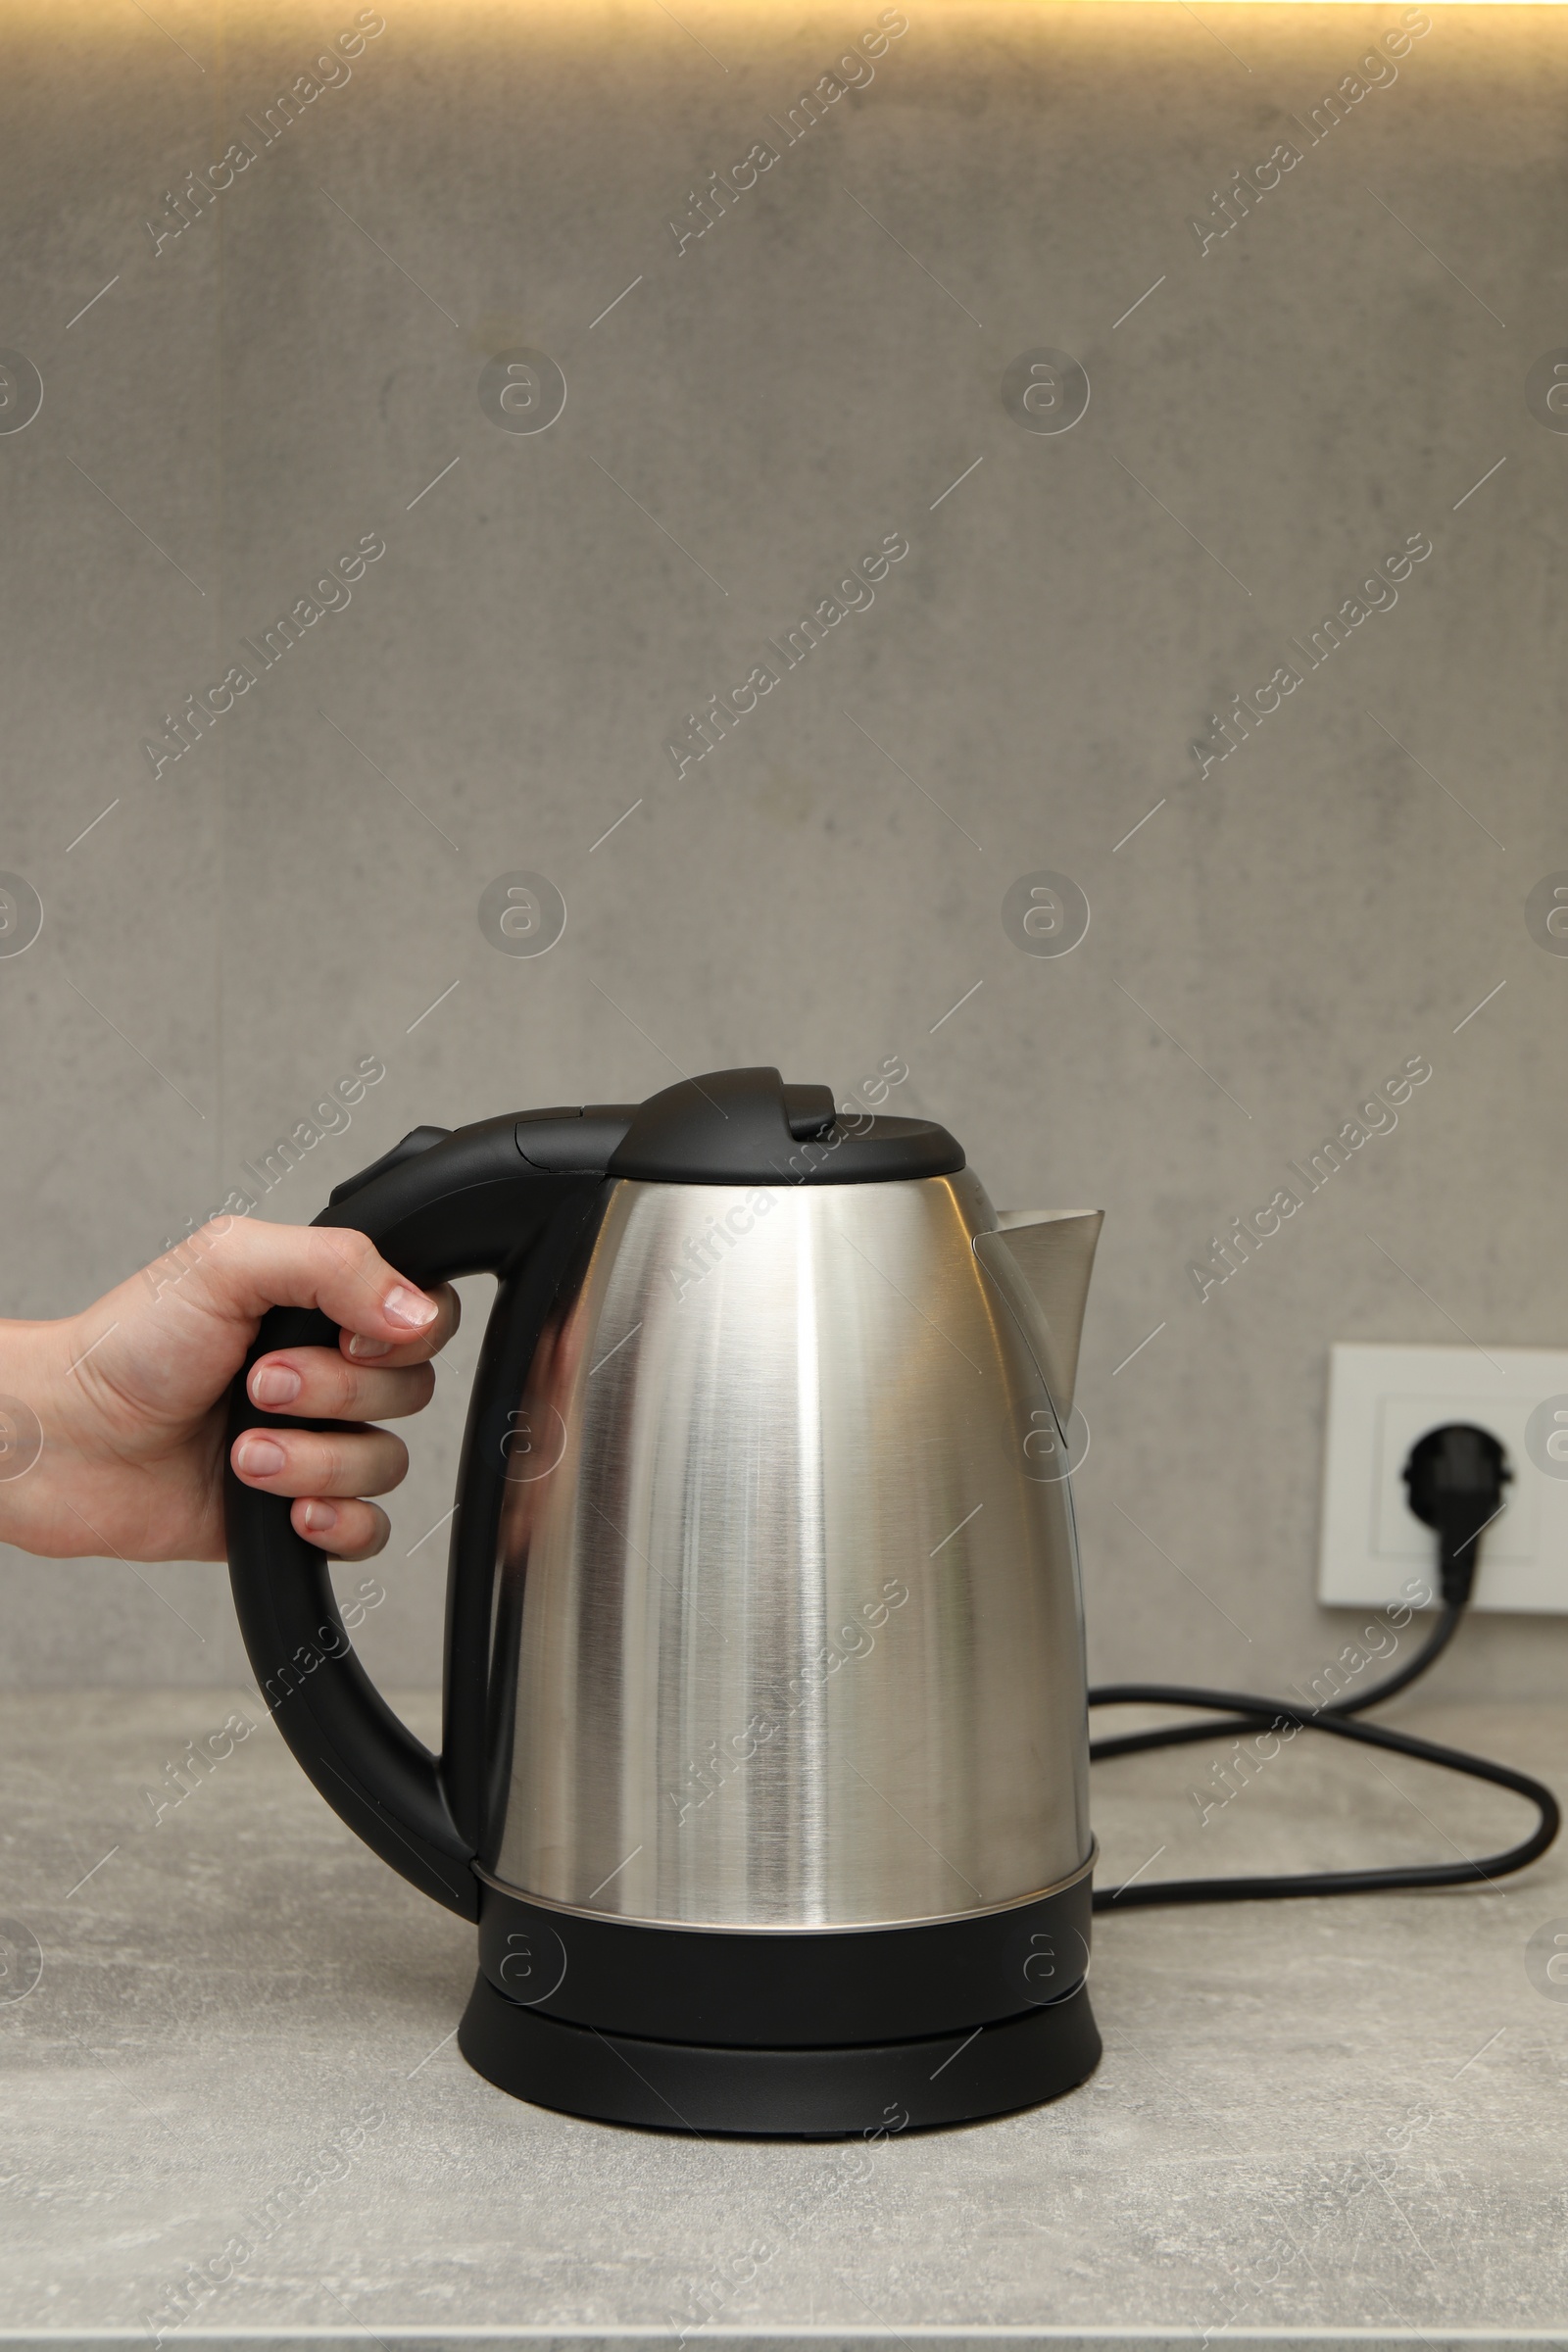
[(1455, 1476)]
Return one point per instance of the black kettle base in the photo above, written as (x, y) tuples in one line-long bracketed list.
[(858, 2092)]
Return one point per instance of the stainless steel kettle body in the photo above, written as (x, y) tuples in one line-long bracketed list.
[(790, 1628), (766, 1755)]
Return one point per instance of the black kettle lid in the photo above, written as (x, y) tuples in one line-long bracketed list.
[(747, 1127)]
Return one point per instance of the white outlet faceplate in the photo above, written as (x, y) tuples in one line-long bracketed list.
[(1381, 1399)]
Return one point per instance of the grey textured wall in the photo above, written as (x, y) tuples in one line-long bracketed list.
[(254, 397)]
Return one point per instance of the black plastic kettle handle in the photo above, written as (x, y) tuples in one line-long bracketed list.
[(488, 1199)]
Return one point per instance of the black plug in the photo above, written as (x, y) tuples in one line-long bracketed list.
[(1455, 1476)]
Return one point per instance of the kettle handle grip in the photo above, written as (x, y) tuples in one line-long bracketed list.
[(465, 1204)]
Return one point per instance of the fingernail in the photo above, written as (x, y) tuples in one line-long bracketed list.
[(319, 1516), (359, 1347), (409, 1307), (259, 1456), (275, 1383)]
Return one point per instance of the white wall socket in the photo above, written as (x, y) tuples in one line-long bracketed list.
[(1381, 1399)]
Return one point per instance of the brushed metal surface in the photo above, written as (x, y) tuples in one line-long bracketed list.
[(845, 1926), (1052, 1254), (788, 1626)]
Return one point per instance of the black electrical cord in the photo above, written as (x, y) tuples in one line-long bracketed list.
[(1455, 1476), (1129, 1744)]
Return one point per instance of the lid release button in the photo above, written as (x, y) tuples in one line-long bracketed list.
[(810, 1110)]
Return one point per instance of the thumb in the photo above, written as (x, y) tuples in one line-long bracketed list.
[(244, 1266)]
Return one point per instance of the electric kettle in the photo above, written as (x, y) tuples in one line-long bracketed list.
[(765, 1764)]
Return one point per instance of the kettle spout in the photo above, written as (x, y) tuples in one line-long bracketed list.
[(1040, 1260)]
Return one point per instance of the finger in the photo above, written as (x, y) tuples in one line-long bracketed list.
[(319, 1386), (242, 1266), (318, 1462), (345, 1531), (364, 1349)]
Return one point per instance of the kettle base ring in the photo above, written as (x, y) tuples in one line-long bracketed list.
[(850, 2091)]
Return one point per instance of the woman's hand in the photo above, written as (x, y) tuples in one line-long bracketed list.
[(115, 1420)]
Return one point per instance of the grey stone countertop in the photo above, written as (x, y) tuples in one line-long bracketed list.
[(1323, 2120)]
